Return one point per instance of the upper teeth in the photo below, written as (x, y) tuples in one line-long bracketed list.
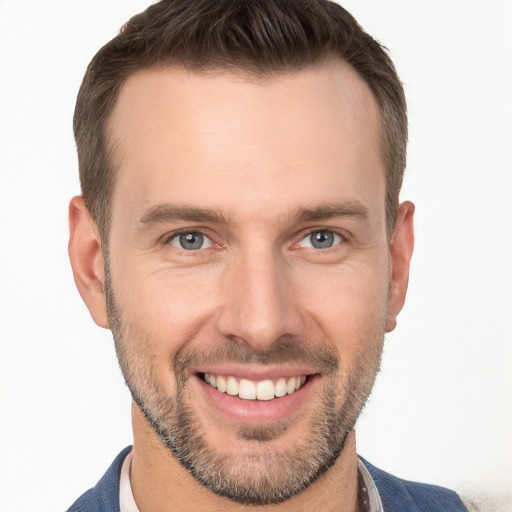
[(249, 390)]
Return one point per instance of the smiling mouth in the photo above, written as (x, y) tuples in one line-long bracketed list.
[(254, 390)]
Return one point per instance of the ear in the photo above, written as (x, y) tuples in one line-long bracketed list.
[(87, 260), (400, 250)]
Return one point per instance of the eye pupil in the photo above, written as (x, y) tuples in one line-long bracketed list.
[(322, 239), (191, 241)]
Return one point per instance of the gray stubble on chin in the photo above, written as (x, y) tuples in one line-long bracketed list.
[(264, 475), (262, 433)]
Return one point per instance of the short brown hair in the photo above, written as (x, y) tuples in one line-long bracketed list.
[(258, 37)]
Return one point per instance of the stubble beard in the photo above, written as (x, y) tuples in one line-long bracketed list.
[(263, 475)]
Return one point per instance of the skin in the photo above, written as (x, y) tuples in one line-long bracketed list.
[(257, 153)]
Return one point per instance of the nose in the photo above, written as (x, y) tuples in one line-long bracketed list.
[(259, 301)]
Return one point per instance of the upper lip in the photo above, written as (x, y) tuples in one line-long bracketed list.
[(256, 373)]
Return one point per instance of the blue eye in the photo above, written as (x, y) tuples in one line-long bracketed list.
[(322, 239), (190, 241)]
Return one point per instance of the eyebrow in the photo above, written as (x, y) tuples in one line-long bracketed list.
[(328, 211), (169, 212)]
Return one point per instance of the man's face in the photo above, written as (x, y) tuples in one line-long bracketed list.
[(248, 243)]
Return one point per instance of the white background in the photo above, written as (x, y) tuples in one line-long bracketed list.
[(441, 411)]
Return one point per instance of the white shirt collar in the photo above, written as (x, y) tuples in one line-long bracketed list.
[(127, 502), (373, 493)]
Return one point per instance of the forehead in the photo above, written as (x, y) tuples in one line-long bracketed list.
[(226, 140)]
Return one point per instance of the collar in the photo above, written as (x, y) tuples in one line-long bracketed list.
[(368, 493)]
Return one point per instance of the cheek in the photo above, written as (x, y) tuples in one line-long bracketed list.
[(349, 304), (170, 308), (160, 315)]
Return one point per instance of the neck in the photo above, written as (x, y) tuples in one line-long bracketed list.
[(159, 481)]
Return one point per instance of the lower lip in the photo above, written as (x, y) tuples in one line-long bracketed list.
[(257, 412)]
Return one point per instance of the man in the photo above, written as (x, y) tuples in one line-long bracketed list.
[(239, 232)]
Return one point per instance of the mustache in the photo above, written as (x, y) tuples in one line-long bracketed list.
[(286, 349)]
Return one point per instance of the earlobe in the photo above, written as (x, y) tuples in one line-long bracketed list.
[(401, 247), (85, 254)]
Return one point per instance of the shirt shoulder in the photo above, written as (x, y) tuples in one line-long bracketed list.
[(89, 502), (401, 495), (104, 497)]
